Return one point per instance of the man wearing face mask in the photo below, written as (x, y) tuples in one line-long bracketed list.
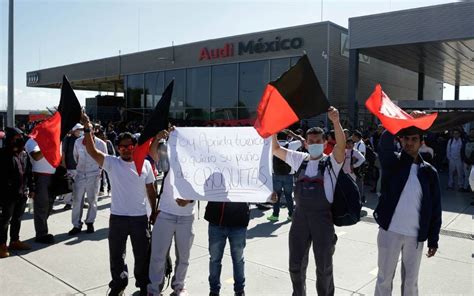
[(68, 160), (15, 178), (86, 182), (314, 193)]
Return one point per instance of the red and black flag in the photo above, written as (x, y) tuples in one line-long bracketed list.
[(158, 121), (397, 121), (49, 133), (296, 95)]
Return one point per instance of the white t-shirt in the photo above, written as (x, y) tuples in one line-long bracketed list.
[(406, 219), (128, 189), (293, 145), (350, 156), (85, 163), (296, 158), (168, 202), (42, 165), (360, 146)]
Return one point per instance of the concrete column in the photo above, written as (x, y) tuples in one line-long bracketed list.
[(456, 92), (353, 86), (421, 85)]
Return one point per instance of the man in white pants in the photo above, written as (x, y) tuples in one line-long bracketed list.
[(86, 181), (175, 219), (408, 212), (453, 152)]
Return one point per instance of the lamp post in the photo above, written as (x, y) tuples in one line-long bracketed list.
[(11, 103)]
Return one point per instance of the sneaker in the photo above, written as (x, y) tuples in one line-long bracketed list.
[(45, 239), (90, 228), (272, 218), (67, 207), (19, 246), (116, 291), (289, 218), (74, 231), (4, 251)]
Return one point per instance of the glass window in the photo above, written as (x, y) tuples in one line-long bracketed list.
[(198, 87), (247, 113), (135, 97), (179, 89), (224, 86), (197, 114), (278, 67), (223, 113), (154, 87), (253, 79), (294, 60)]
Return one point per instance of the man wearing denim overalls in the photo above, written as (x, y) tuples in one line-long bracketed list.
[(312, 218)]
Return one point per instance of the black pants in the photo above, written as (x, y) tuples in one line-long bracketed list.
[(11, 212), (43, 204), (120, 227)]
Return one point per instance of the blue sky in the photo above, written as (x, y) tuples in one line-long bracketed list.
[(51, 33)]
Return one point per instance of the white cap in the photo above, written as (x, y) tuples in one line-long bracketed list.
[(77, 126)]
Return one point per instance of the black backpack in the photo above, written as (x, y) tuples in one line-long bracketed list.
[(346, 205)]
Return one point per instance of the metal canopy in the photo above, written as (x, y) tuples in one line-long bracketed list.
[(436, 40)]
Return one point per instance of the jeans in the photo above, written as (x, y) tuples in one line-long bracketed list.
[(217, 240), (283, 184)]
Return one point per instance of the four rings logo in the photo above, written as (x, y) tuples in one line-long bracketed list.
[(32, 78)]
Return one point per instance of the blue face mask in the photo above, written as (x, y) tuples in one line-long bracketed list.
[(315, 150)]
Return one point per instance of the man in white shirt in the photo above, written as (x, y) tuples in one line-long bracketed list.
[(408, 212), (456, 166), (353, 160), (314, 193), (44, 198), (175, 219), (359, 145), (86, 182), (128, 215)]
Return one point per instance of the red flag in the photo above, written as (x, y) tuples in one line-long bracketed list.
[(296, 95), (49, 133), (393, 118)]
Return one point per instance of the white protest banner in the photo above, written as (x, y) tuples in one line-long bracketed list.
[(220, 164)]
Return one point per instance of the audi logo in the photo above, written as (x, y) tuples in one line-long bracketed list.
[(32, 78)]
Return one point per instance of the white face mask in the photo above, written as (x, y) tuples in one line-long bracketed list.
[(315, 150)]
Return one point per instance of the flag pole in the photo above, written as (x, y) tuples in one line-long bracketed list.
[(11, 102)]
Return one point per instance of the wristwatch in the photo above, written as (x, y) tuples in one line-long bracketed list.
[(87, 130)]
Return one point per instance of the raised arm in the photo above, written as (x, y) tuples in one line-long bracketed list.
[(97, 155), (340, 148), (156, 142)]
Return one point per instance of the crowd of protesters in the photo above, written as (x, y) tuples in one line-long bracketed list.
[(98, 158)]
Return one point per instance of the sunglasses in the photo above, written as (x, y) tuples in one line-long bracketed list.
[(128, 147)]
